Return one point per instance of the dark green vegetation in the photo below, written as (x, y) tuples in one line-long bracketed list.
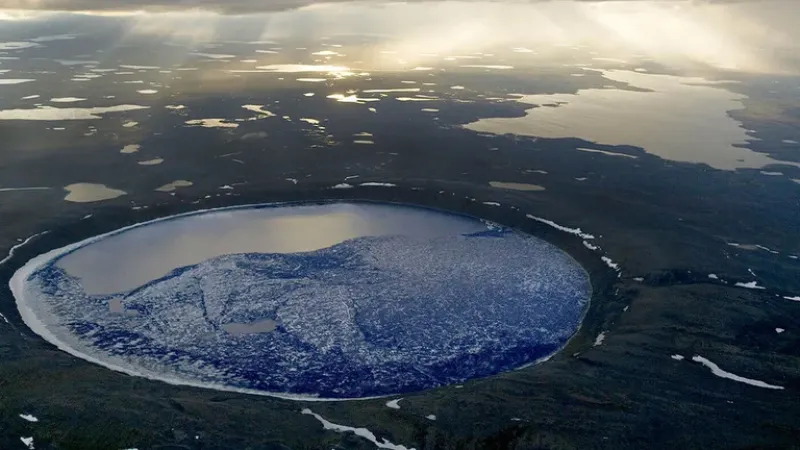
[(626, 393)]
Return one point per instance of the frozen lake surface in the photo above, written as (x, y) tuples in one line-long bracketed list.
[(307, 301)]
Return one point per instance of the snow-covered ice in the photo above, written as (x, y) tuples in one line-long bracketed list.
[(486, 270), (715, 369)]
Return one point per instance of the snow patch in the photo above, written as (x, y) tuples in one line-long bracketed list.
[(431, 417), (361, 432), (780, 330), (67, 99), (713, 276), (28, 441), (590, 246), (678, 357), (610, 263), (576, 231), (29, 417), (749, 285), (394, 404), (794, 299), (13, 249), (373, 184), (491, 203), (723, 374), (600, 338), (343, 186)]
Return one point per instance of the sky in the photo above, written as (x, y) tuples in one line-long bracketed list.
[(248, 6), (758, 36)]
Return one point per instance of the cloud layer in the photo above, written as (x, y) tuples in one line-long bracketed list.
[(225, 6)]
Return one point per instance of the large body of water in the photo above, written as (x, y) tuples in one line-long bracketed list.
[(327, 301)]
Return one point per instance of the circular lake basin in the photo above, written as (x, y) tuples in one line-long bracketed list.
[(328, 301)]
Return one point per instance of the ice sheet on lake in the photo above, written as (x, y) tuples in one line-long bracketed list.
[(67, 99), (351, 99), (361, 432), (211, 123), (15, 80), (487, 66), (379, 91), (50, 113), (259, 109), (715, 369)]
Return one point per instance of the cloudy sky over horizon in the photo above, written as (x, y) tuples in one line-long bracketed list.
[(758, 36), (250, 6)]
